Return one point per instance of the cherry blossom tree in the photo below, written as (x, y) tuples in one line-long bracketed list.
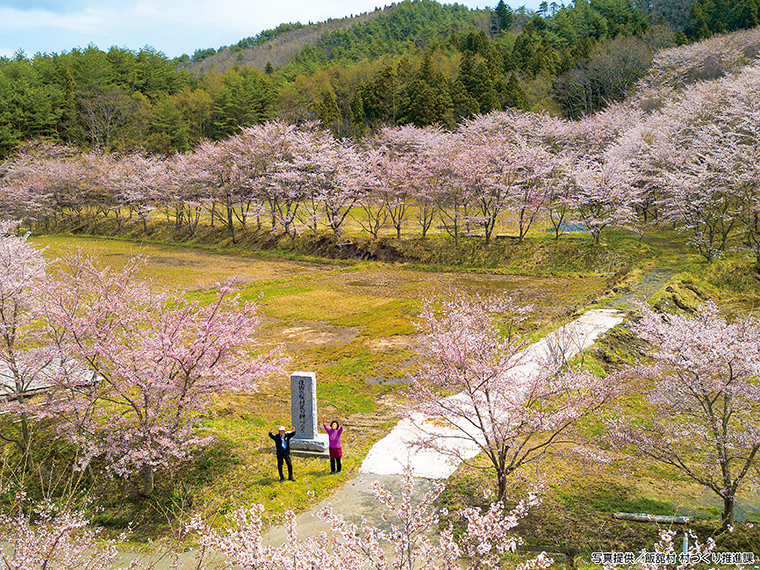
[(739, 122), (60, 540), (262, 152), (24, 360), (601, 195), (405, 173), (703, 399), (453, 201), (477, 167), (159, 359), (504, 172), (374, 210), (23, 183), (179, 194), (394, 148), (331, 174), (51, 184), (559, 196), (703, 197), (17, 189), (138, 181), (645, 149), (510, 409), (219, 174)]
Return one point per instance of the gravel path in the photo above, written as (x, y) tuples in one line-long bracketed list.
[(389, 455)]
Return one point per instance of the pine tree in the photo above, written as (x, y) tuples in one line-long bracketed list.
[(514, 96), (328, 111), (503, 17)]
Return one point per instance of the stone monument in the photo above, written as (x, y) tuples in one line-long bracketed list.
[(303, 409)]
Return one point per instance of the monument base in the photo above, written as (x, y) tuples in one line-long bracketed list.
[(319, 444), (311, 454)]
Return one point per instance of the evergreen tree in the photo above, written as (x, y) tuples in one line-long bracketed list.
[(328, 111), (503, 17), (701, 19), (386, 97), (243, 100), (358, 116), (514, 96), (464, 104), (523, 52), (170, 130), (427, 99), (745, 15), (70, 129)]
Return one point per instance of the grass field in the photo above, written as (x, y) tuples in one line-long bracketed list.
[(352, 322)]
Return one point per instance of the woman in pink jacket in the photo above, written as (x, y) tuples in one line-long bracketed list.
[(336, 452)]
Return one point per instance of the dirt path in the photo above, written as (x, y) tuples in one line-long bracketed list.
[(655, 279)]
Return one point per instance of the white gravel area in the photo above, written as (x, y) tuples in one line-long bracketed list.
[(389, 455)]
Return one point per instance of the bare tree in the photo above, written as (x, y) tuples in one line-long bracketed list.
[(105, 114)]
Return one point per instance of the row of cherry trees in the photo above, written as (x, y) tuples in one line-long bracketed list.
[(689, 164), (509, 167)]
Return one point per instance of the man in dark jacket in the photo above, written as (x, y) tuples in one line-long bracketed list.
[(282, 446)]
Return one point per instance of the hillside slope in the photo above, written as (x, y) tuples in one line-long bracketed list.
[(676, 68), (280, 50)]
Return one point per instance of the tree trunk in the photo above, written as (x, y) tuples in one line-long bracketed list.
[(728, 511), (231, 224), (26, 433), (146, 480), (90, 474), (501, 490)]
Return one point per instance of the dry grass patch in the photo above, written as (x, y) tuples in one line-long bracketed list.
[(177, 267)]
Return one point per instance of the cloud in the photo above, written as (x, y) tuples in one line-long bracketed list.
[(26, 20), (172, 26)]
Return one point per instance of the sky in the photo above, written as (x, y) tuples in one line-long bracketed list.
[(173, 27)]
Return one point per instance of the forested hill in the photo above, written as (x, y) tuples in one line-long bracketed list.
[(270, 48), (416, 62), (392, 30)]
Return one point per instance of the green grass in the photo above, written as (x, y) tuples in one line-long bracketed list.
[(612, 498), (387, 319)]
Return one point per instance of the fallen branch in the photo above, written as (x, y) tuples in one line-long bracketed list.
[(644, 517)]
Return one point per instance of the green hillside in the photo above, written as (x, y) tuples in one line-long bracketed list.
[(416, 61)]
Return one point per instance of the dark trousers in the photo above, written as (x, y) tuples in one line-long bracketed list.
[(333, 462), (286, 459)]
